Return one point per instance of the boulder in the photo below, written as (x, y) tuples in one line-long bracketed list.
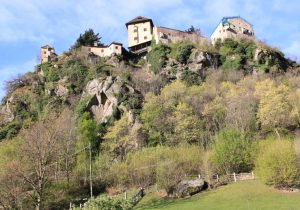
[(188, 188)]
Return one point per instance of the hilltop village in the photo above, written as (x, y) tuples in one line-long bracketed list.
[(174, 114), (142, 32)]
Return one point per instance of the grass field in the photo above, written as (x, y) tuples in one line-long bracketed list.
[(249, 195)]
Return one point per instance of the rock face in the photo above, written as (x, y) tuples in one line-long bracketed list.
[(103, 97), (60, 90), (270, 58), (6, 112), (202, 60), (103, 94), (189, 187)]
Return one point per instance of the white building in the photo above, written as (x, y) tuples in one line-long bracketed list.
[(232, 27)]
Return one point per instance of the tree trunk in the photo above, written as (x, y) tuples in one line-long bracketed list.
[(277, 133)]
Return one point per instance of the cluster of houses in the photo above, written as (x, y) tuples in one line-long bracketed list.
[(142, 32)]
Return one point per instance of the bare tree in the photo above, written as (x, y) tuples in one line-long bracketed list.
[(39, 151)]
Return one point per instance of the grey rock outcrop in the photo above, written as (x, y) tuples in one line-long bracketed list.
[(6, 112), (188, 188), (103, 98), (61, 90), (203, 60)]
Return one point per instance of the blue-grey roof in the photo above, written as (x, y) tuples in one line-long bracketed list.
[(232, 17)]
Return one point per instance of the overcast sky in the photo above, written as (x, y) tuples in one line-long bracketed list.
[(25, 25)]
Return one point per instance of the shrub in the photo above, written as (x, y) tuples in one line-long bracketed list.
[(191, 78), (105, 203), (276, 163), (163, 165), (157, 57), (232, 152), (181, 51), (233, 63)]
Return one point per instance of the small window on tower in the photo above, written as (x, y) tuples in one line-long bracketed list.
[(135, 30), (102, 50), (145, 37), (117, 47), (135, 38), (145, 29)]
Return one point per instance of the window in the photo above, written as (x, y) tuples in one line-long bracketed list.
[(135, 38), (135, 30), (102, 50), (145, 29), (117, 47), (145, 37)]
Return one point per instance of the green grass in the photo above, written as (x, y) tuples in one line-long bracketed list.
[(248, 195)]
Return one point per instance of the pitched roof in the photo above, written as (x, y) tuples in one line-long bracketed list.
[(233, 17), (47, 46), (139, 19), (116, 43)]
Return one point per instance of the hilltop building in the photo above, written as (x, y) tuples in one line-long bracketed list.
[(47, 53), (113, 48), (141, 32), (232, 27)]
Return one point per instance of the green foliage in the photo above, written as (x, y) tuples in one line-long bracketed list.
[(163, 165), (276, 163), (236, 54), (233, 63), (76, 73), (157, 57), (181, 51), (105, 203), (88, 129), (191, 78), (88, 38), (232, 153), (132, 100), (10, 130)]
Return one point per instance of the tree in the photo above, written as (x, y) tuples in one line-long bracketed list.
[(241, 107), (39, 151), (274, 110), (192, 29), (187, 126), (276, 163), (88, 38), (232, 152)]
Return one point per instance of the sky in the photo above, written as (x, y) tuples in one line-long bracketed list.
[(26, 25)]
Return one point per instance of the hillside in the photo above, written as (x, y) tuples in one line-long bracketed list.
[(125, 122)]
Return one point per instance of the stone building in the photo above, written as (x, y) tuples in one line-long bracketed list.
[(47, 53), (141, 32), (105, 50), (169, 35), (232, 27)]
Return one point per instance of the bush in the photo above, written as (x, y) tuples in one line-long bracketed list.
[(191, 78), (232, 153), (276, 163), (181, 51), (157, 57), (163, 165), (105, 203)]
